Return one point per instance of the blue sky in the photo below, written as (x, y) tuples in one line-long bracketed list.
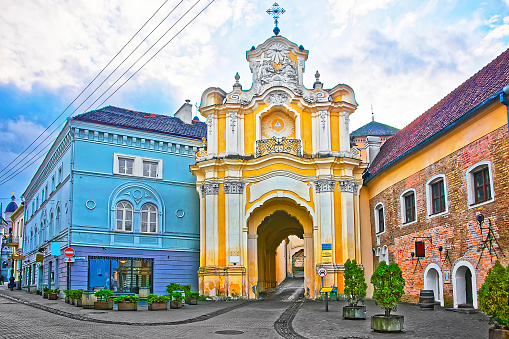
[(401, 56)]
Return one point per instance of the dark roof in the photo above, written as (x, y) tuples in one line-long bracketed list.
[(12, 206), (374, 129), (115, 116), (482, 87)]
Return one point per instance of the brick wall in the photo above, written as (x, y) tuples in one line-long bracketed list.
[(456, 231)]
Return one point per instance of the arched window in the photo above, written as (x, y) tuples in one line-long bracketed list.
[(57, 219), (379, 218), (50, 228), (149, 218), (124, 216)]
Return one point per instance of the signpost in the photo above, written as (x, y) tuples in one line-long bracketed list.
[(322, 272), (69, 252), (69, 259)]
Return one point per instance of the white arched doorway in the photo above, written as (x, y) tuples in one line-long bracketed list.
[(464, 284), (433, 281)]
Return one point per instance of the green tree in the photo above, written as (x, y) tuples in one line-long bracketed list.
[(355, 283), (388, 284), (494, 296)]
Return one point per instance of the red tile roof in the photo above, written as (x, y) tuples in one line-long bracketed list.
[(473, 93)]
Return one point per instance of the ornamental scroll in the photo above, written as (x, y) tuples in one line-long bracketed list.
[(211, 188), (348, 186), (324, 185), (233, 187)]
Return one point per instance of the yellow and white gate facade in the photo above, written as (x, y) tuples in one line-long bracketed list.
[(277, 162)]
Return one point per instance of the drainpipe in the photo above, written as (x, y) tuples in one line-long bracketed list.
[(70, 202), (504, 99)]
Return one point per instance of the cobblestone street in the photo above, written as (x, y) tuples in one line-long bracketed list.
[(254, 319)]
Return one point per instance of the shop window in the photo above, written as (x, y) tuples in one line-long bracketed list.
[(149, 218), (480, 184), (124, 216), (379, 218), (122, 275), (408, 206)]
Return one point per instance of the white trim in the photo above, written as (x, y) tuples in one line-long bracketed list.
[(429, 206), (279, 194), (137, 165), (403, 206), (295, 117), (440, 296), (375, 213), (471, 187), (458, 265)]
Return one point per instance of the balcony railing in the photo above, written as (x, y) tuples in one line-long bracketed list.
[(12, 241), (278, 145)]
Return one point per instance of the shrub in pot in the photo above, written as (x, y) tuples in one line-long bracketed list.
[(45, 293), (103, 302), (157, 302), (355, 290), (53, 294), (172, 287), (67, 296), (388, 285), (77, 297), (127, 302), (494, 300), (176, 299), (192, 298)]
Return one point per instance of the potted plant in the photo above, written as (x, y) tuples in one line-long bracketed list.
[(355, 290), (127, 302), (67, 296), (157, 302), (192, 298), (53, 294), (388, 285), (103, 302), (176, 299), (45, 291), (77, 294), (494, 300), (172, 287)]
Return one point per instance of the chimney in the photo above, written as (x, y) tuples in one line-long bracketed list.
[(185, 113), (372, 148)]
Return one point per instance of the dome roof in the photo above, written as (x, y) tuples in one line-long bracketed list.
[(12, 206)]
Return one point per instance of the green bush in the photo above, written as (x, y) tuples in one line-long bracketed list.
[(172, 287), (55, 291), (45, 290), (193, 295), (126, 299), (185, 288), (103, 294), (389, 286), (68, 293), (355, 283), (154, 298), (494, 296), (176, 296)]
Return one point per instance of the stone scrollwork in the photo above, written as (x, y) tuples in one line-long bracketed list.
[(211, 188), (210, 123), (234, 187), (323, 119), (278, 98), (310, 97), (233, 120), (348, 186), (324, 185)]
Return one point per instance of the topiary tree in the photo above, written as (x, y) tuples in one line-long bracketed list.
[(355, 283), (494, 296), (388, 284)]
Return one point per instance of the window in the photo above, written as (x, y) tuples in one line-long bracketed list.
[(59, 178), (124, 216), (122, 275), (150, 169), (149, 218), (436, 195), (125, 166), (379, 218), (408, 210), (480, 184), (53, 183)]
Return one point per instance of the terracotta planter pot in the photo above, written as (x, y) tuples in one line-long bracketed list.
[(127, 306), (158, 306), (497, 333), (103, 305), (191, 301), (354, 312), (53, 296), (175, 304), (392, 323), (45, 295)]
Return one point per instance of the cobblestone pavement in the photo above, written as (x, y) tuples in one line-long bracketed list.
[(255, 319)]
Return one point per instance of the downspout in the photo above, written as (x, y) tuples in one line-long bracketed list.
[(504, 99), (70, 202)]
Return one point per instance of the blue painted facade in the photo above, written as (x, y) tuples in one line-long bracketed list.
[(116, 187)]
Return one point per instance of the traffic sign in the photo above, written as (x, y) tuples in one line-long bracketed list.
[(69, 252), (322, 272), (69, 259)]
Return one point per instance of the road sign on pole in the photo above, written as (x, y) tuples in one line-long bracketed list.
[(322, 272), (69, 252), (69, 259)]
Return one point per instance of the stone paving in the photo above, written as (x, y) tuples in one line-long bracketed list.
[(280, 315)]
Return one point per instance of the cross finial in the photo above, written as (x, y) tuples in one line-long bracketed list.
[(275, 11), (372, 114)]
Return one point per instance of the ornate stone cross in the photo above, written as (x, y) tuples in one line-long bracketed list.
[(275, 11)]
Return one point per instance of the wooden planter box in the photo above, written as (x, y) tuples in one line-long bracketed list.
[(392, 323), (158, 306), (67, 299), (77, 302), (103, 305), (45, 295), (127, 306), (354, 312), (191, 301), (497, 333), (175, 304), (87, 300), (53, 296)]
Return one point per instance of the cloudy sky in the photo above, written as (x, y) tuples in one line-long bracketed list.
[(400, 56)]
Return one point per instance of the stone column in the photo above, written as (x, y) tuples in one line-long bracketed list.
[(324, 190), (344, 131), (232, 142), (233, 191), (252, 254), (324, 132), (309, 265), (210, 191), (211, 134), (348, 188)]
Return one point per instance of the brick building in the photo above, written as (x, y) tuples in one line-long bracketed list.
[(431, 180)]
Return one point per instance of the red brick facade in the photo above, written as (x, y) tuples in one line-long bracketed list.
[(457, 230)]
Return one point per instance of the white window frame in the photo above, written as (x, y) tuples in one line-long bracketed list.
[(471, 184), (148, 219), (377, 221), (403, 206), (137, 165), (123, 229), (156, 163), (429, 196)]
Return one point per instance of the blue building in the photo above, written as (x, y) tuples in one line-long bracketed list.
[(115, 187)]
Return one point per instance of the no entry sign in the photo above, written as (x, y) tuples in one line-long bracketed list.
[(69, 252)]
